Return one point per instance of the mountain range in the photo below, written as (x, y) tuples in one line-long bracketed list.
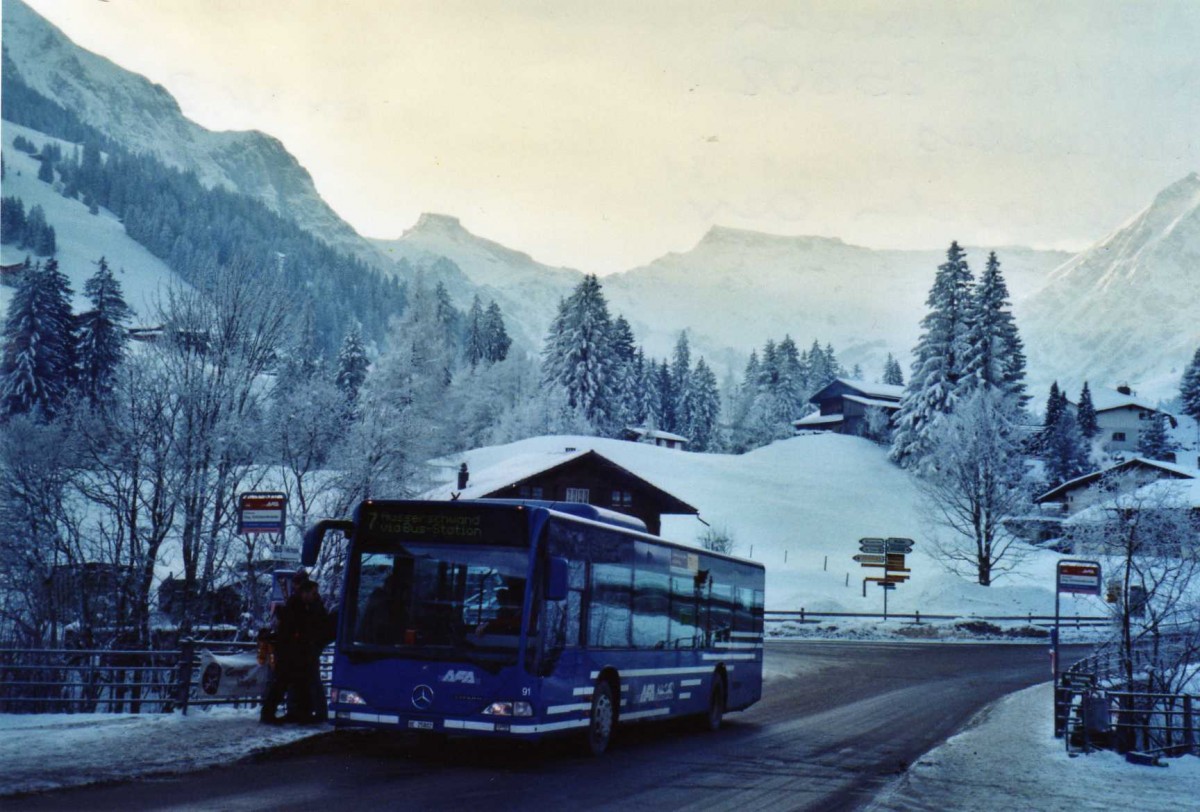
[(1125, 310)]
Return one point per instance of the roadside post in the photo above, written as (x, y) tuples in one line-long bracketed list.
[(1077, 578)]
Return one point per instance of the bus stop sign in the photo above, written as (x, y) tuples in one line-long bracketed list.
[(1079, 577), (262, 512)]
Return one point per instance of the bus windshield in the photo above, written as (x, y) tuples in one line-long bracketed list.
[(440, 601)]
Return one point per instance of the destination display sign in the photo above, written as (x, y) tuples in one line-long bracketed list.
[(1079, 577), (262, 512), (439, 523)]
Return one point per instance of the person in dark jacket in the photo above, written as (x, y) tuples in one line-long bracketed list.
[(307, 628)]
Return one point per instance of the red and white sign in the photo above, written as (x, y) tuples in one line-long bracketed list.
[(1079, 577), (261, 512)]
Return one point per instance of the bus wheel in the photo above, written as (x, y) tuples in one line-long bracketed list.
[(604, 716), (716, 704)]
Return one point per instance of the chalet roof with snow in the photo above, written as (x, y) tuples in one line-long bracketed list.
[(818, 420), (886, 392), (1168, 469), (641, 432), (571, 476), (1107, 400)]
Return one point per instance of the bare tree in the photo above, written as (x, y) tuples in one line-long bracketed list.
[(42, 535), (220, 342), (718, 539), (975, 479)]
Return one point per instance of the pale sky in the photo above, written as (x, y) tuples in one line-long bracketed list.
[(601, 135)]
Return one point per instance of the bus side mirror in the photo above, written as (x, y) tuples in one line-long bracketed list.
[(316, 535), (556, 580)]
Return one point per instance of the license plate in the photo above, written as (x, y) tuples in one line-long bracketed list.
[(417, 724)]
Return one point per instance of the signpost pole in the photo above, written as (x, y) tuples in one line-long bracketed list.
[(1058, 732), (885, 593)]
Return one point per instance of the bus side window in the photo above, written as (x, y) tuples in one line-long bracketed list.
[(685, 622), (610, 611), (651, 600), (720, 618)]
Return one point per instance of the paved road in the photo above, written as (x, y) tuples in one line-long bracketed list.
[(838, 722)]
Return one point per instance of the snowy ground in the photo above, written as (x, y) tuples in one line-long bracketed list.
[(49, 751), (1008, 758), (44, 752)]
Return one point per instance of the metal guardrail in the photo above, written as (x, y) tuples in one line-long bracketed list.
[(1095, 707), (115, 681), (805, 616)]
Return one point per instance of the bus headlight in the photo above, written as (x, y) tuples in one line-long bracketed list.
[(343, 697), (509, 709)]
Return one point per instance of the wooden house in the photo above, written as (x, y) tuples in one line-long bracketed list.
[(574, 475), (844, 406)]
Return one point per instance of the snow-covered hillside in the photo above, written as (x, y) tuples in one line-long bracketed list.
[(144, 117), (82, 237), (1127, 309), (797, 503)]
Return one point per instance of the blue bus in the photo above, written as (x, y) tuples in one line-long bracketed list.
[(523, 619)]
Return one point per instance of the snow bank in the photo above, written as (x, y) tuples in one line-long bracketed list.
[(51, 751), (1008, 758)]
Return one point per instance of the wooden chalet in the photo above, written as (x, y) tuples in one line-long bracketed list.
[(843, 406), (570, 476)]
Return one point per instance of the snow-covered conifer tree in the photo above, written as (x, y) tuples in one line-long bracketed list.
[(496, 339), (102, 339), (1189, 388), (995, 352), (475, 344), (577, 355), (1154, 443), (681, 385), (939, 357), (893, 375), (352, 365), (706, 409), (38, 362), (1086, 414), (1062, 444)]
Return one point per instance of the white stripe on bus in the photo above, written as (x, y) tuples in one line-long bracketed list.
[(737, 645), (462, 724), (585, 691), (548, 727), (369, 717), (728, 656), (582, 706), (643, 714), (659, 672), (690, 683), (685, 696)]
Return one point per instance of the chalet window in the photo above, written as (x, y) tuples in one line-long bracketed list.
[(1118, 436), (578, 495), (1143, 415), (622, 499), (530, 492)]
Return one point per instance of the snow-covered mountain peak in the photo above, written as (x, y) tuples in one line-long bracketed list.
[(442, 225), (729, 238), (144, 117), (1128, 307)]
